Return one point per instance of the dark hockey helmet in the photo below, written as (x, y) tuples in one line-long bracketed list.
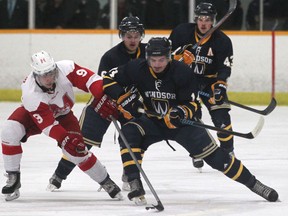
[(205, 9), (131, 24), (158, 46)]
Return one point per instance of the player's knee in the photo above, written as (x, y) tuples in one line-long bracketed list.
[(220, 117), (218, 160), (133, 133), (12, 132)]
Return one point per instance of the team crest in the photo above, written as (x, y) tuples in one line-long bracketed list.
[(158, 84)]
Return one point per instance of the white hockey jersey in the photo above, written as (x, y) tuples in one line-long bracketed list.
[(44, 107)]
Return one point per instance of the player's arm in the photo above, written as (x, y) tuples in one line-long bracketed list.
[(72, 142), (115, 82), (187, 98), (224, 61), (104, 65)]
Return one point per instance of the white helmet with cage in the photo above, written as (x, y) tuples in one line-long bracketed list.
[(42, 63)]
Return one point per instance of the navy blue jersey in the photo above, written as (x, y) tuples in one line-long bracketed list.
[(213, 58), (159, 91), (117, 56)]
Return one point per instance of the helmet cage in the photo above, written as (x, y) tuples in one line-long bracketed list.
[(131, 24)]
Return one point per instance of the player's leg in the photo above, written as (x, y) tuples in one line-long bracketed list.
[(221, 118), (140, 133), (204, 146), (16, 129), (89, 163), (93, 128), (234, 169)]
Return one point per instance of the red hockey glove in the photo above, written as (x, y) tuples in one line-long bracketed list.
[(129, 104), (106, 108), (73, 143), (182, 54), (175, 114), (218, 92)]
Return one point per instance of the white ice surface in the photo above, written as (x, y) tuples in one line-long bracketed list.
[(180, 187)]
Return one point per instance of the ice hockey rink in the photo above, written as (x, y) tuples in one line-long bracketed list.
[(180, 187)]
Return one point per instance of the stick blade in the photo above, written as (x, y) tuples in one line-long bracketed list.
[(258, 127), (271, 107)]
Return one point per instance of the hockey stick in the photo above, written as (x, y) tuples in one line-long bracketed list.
[(232, 7), (250, 135), (272, 105), (159, 206)]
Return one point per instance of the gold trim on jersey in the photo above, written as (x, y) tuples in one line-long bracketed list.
[(197, 38), (138, 52), (152, 73)]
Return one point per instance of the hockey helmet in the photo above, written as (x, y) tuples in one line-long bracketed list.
[(131, 24), (205, 9), (42, 63), (158, 46)]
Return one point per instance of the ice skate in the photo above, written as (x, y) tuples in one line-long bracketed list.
[(125, 185), (54, 183), (264, 191), (112, 189), (137, 192), (11, 189), (198, 163)]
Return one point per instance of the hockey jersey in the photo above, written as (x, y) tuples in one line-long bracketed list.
[(45, 107)]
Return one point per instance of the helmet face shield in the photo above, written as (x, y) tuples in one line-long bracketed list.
[(42, 63), (48, 79), (158, 53), (45, 70), (131, 24), (205, 9)]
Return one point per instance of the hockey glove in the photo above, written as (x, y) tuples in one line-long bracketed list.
[(218, 92), (175, 114), (106, 108), (129, 103), (182, 54), (73, 143)]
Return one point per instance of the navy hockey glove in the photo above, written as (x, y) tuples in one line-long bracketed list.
[(182, 54), (73, 143), (218, 92), (175, 114), (106, 108), (129, 103)]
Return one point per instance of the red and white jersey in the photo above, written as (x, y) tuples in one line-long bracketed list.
[(45, 107)]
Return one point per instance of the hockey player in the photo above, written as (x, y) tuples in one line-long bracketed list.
[(212, 67), (47, 100), (93, 126), (168, 88)]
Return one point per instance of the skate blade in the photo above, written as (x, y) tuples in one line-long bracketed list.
[(126, 186), (140, 200), (12, 196), (119, 196), (51, 188), (200, 170)]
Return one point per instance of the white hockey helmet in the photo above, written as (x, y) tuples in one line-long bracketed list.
[(42, 63)]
